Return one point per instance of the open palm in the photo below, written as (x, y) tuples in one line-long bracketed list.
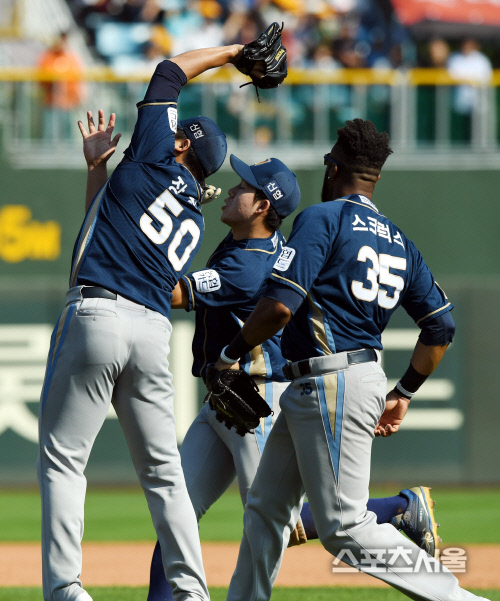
[(98, 145)]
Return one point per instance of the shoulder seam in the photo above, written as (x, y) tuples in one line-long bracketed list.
[(432, 313), (275, 275)]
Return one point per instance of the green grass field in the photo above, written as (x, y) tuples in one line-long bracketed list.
[(219, 594), (467, 515)]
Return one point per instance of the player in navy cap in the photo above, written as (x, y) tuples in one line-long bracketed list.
[(344, 271), (273, 178), (110, 345), (207, 141)]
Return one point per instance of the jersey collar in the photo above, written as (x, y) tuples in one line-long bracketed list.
[(196, 201), (359, 198), (268, 244)]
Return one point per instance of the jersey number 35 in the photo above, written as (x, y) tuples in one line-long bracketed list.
[(378, 274), (188, 226)]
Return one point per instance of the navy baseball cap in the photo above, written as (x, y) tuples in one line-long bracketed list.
[(208, 142), (272, 177)]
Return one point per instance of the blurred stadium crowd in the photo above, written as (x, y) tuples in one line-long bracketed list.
[(324, 34), (318, 33), (321, 36)]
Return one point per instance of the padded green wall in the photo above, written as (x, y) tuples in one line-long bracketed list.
[(454, 219)]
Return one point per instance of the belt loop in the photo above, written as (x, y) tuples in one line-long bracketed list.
[(74, 295), (296, 369)]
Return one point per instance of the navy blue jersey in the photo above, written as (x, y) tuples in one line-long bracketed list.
[(344, 271), (145, 225), (224, 295)]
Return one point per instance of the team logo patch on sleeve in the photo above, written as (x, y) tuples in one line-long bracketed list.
[(285, 258), (172, 118), (207, 280)]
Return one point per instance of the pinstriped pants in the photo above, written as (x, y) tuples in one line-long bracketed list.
[(321, 445), (111, 351)]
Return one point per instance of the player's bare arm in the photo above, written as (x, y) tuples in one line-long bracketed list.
[(269, 317), (195, 62), (263, 60), (424, 361), (425, 358), (98, 147), (180, 298)]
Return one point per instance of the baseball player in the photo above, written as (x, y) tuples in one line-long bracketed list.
[(344, 271), (111, 342)]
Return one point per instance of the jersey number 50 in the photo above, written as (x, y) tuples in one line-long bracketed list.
[(157, 209), (378, 274)]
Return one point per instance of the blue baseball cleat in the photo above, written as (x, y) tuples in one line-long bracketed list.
[(418, 522)]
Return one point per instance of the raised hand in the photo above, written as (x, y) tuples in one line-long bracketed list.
[(98, 145)]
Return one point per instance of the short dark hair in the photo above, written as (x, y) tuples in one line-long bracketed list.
[(273, 221), (363, 148), (191, 159)]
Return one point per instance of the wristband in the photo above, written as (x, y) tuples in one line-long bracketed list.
[(238, 347), (402, 391), (411, 381), (226, 359)]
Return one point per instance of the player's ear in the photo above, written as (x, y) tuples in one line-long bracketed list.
[(378, 176), (262, 205), (331, 172), (181, 145)]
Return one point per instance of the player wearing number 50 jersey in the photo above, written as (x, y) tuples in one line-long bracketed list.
[(111, 342)]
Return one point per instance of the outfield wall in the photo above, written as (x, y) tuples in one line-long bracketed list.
[(450, 433)]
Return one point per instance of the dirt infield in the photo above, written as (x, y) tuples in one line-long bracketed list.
[(127, 564)]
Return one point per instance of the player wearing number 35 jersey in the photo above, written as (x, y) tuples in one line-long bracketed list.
[(368, 267), (344, 271), (111, 342)]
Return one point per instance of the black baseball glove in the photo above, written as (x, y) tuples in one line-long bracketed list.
[(234, 397), (268, 48)]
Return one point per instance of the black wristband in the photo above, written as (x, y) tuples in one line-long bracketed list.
[(238, 347), (412, 380)]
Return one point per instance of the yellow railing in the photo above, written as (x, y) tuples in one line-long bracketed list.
[(307, 117), (415, 77)]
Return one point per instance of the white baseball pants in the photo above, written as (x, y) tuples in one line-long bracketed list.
[(107, 351), (321, 445)]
